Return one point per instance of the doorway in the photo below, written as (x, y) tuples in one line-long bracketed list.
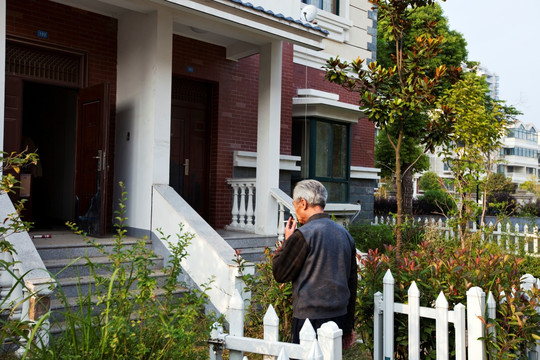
[(48, 127), (190, 142)]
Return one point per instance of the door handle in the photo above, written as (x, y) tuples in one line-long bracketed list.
[(99, 158), (186, 167)]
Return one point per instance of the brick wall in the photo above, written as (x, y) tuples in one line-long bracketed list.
[(82, 31), (235, 85)]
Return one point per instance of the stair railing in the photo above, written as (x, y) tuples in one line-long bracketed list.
[(25, 285), (285, 203)]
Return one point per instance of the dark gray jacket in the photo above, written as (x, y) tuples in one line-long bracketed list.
[(320, 260)]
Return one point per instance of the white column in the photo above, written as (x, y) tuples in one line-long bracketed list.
[(143, 109), (268, 136)]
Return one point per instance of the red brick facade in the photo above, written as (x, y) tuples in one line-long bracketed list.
[(235, 84)]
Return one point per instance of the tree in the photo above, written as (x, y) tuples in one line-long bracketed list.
[(496, 183), (480, 124), (394, 97), (430, 181), (453, 53)]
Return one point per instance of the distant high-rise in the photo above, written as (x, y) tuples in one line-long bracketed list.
[(492, 81)]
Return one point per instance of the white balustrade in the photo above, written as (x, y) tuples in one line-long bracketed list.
[(243, 208)]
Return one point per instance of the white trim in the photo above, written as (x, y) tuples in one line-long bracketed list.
[(249, 159), (337, 25), (310, 58), (360, 172), (316, 103)]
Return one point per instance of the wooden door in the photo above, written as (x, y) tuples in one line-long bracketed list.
[(13, 114), (190, 145), (92, 158)]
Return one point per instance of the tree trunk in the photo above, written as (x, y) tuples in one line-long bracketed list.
[(399, 201), (408, 191)]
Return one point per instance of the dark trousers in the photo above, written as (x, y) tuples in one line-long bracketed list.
[(316, 323)]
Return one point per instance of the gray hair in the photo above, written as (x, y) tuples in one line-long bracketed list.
[(312, 191)]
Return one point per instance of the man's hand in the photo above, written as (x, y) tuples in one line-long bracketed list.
[(290, 227)]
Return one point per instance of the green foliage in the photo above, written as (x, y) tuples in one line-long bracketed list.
[(481, 123), (531, 265), (368, 236), (445, 266), (531, 185), (437, 202), (496, 183), (265, 291), (11, 328), (398, 97), (429, 181), (126, 316)]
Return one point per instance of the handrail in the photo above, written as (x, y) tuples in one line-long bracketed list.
[(32, 285), (284, 202)]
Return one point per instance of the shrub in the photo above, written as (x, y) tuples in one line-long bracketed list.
[(429, 181), (434, 202), (136, 319), (445, 266), (501, 203), (530, 209), (384, 206), (265, 291), (368, 236)]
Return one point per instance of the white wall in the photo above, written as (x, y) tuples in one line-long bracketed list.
[(209, 259), (143, 109)]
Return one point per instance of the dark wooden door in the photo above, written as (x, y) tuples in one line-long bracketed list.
[(13, 114), (92, 158), (190, 145)]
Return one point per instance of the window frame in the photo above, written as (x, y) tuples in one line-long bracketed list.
[(312, 158)]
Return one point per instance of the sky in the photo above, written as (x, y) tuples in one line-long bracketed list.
[(504, 36)]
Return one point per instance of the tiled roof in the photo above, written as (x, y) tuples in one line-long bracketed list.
[(280, 16)]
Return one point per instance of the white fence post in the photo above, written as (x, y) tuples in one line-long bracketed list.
[(271, 328), (441, 324), (330, 340), (491, 314), (378, 326), (388, 316), (459, 326), (307, 334), (475, 308), (315, 352), (215, 334), (414, 322), (283, 355), (236, 321)]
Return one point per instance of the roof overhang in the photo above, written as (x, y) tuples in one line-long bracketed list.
[(241, 29)]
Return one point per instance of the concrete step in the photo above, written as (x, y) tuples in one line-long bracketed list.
[(69, 268), (251, 246), (88, 303), (70, 246), (85, 285)]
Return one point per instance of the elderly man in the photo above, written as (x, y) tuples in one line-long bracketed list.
[(320, 259)]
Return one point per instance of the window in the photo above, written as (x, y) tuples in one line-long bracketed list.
[(331, 6), (325, 148)]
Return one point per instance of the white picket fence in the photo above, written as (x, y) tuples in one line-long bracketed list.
[(323, 345), (469, 328), (507, 236)]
